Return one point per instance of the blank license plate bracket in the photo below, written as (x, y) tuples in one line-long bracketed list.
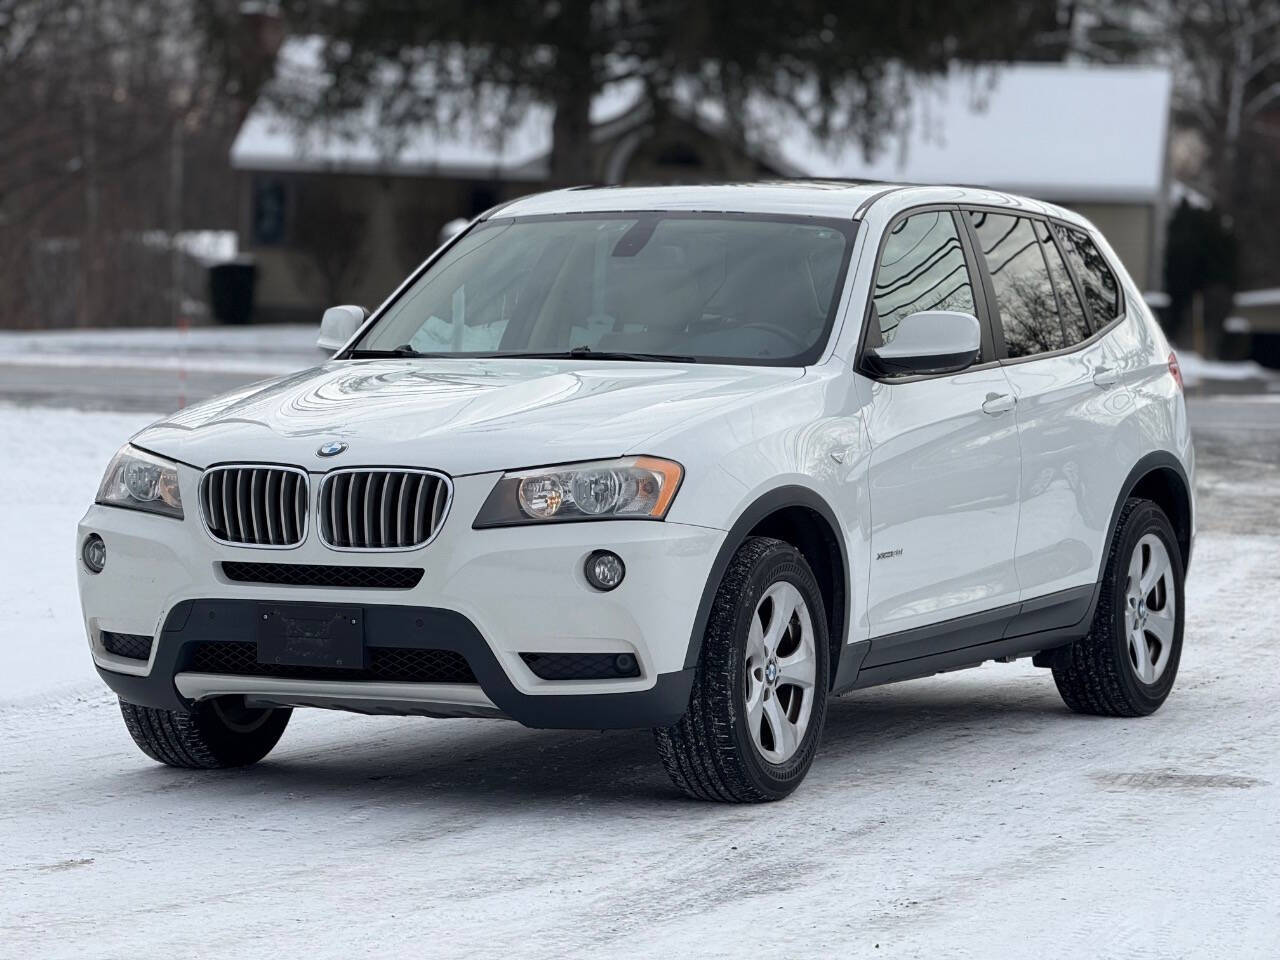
[(297, 635)]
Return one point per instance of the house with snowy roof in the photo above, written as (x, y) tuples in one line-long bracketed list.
[(340, 211)]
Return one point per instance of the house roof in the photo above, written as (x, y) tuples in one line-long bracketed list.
[(1064, 132)]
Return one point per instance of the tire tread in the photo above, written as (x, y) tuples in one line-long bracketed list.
[(1088, 673), (197, 740), (701, 752)]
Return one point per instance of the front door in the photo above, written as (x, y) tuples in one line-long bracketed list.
[(945, 465)]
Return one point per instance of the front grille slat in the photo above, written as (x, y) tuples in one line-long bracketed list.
[(438, 504), (300, 506), (374, 509), (268, 499), (371, 481), (419, 509), (384, 514), (224, 495), (285, 514), (401, 540), (352, 529), (260, 506), (254, 480), (242, 478), (335, 528)]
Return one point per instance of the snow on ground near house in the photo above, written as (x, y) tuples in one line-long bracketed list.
[(968, 815), (273, 349), (1196, 369)]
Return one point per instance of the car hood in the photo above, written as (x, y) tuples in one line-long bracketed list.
[(456, 415)]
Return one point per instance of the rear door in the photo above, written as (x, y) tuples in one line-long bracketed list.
[(944, 466), (1069, 399)]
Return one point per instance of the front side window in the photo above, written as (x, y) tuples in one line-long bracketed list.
[(1024, 293), (1101, 289), (922, 267), (711, 287)]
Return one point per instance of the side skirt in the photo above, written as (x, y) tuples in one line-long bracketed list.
[(1018, 629)]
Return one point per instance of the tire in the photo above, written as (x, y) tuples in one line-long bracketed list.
[(711, 752), (214, 734), (1100, 674)]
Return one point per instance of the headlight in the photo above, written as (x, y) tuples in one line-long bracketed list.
[(634, 488), (140, 481)]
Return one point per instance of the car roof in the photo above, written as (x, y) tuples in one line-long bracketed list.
[(810, 198)]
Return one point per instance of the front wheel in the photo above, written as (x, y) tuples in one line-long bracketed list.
[(759, 696), (222, 732), (1126, 666)]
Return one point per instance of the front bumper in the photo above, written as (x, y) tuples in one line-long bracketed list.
[(172, 687), (487, 594)]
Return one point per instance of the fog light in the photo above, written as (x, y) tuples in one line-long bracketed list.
[(604, 570), (94, 553)]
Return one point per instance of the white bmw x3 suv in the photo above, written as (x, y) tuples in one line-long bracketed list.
[(688, 458)]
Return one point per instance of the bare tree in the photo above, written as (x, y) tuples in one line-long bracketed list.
[(1225, 55), (113, 138)]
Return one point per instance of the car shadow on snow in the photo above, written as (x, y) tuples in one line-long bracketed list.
[(878, 735)]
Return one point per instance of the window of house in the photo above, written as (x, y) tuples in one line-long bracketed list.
[(1101, 289), (1024, 293), (922, 267), (1075, 324)]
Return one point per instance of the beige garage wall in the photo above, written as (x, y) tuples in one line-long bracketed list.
[(1129, 229), (349, 238)]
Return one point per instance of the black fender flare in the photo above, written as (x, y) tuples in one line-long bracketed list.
[(776, 499), (1158, 460)]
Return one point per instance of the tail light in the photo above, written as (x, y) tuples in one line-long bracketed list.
[(1175, 370)]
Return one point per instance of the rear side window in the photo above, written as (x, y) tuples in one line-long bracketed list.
[(1024, 293), (1074, 322), (1101, 289), (922, 267)]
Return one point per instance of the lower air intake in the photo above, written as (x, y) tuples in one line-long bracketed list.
[(133, 646), (387, 664), (323, 575), (582, 666)]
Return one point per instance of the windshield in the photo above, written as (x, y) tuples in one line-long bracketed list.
[(710, 287)]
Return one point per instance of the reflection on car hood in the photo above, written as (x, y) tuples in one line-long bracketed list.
[(459, 416)]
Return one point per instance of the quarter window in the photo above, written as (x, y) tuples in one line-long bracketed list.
[(1101, 289), (1024, 293), (922, 267), (1074, 322)]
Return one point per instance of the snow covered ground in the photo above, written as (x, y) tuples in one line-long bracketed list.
[(968, 815), (1196, 370), (262, 349)]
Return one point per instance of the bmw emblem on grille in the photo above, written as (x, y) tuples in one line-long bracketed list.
[(331, 449)]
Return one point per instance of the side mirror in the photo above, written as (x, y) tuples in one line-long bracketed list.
[(338, 325), (932, 341)]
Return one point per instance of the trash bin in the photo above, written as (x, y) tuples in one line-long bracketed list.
[(231, 291)]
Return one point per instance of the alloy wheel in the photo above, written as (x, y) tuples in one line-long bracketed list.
[(781, 666), (1150, 608)]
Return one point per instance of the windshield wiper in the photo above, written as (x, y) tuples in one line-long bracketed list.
[(586, 353), (404, 350), (577, 353)]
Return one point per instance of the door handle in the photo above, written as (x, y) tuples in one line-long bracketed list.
[(998, 403), (1106, 376)]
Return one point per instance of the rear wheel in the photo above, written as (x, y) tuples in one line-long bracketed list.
[(1127, 664), (760, 691), (222, 732)]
